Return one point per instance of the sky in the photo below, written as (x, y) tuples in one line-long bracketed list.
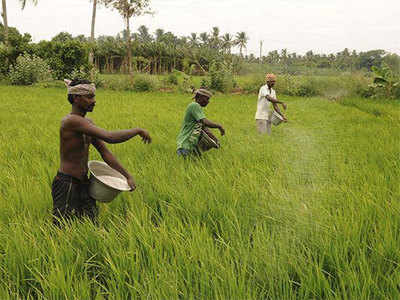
[(323, 26)]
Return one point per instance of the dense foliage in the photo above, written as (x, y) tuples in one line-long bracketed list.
[(208, 54)]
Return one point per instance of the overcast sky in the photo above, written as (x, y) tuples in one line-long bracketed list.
[(324, 26)]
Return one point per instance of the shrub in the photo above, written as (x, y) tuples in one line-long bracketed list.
[(187, 84), (3, 60), (221, 77), (144, 83), (63, 58), (85, 73), (205, 83), (28, 70), (253, 84), (172, 79), (307, 88)]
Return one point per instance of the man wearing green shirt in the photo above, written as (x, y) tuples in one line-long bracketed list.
[(193, 122)]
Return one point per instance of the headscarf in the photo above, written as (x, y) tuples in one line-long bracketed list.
[(270, 77), (80, 89), (203, 92)]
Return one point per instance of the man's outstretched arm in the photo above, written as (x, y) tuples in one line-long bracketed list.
[(275, 101), (211, 124), (84, 126)]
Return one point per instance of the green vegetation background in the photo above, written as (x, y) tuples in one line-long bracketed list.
[(311, 212)]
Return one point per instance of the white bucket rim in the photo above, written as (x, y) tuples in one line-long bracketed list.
[(119, 175)]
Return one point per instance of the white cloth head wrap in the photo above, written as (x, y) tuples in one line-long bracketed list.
[(80, 89), (203, 92)]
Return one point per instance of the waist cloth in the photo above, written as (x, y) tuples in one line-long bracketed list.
[(71, 199)]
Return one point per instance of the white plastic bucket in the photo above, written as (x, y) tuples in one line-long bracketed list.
[(276, 118), (105, 182)]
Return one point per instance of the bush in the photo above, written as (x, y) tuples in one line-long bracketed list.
[(3, 60), (85, 73), (28, 70), (63, 58), (144, 83), (221, 77), (172, 79), (187, 84), (253, 84), (205, 83)]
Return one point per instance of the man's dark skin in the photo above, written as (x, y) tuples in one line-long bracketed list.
[(274, 101), (203, 101), (77, 133)]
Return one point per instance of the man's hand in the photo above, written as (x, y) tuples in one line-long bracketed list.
[(145, 136), (284, 105), (221, 130), (131, 183)]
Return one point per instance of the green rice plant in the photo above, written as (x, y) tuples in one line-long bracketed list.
[(310, 212)]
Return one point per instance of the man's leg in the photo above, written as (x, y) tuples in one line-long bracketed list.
[(261, 126), (61, 191), (268, 125), (87, 205)]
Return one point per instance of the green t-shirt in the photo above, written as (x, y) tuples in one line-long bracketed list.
[(190, 131)]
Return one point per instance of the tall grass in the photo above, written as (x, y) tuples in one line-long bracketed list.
[(311, 212)]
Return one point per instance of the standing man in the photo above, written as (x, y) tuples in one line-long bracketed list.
[(267, 99), (70, 186), (193, 122)]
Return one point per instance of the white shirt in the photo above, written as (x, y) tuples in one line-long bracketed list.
[(264, 107)]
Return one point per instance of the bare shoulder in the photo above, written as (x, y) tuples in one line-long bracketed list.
[(71, 121)]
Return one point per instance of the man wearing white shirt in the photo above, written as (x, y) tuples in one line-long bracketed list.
[(266, 103)]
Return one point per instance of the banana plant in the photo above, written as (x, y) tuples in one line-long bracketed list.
[(385, 80)]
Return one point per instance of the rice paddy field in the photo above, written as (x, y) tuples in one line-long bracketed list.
[(310, 212)]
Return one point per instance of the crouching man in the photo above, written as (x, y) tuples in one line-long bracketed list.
[(70, 186), (194, 122)]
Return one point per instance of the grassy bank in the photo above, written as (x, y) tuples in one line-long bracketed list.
[(310, 212)]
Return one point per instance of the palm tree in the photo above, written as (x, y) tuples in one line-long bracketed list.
[(215, 38), (204, 38), (241, 41), (5, 23), (159, 33), (227, 42), (129, 9), (193, 39), (4, 15), (144, 35), (91, 55), (23, 2)]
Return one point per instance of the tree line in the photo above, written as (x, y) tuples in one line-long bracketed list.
[(162, 52)]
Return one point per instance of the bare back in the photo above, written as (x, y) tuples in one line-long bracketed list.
[(74, 149)]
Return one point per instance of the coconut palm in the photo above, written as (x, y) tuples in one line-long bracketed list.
[(91, 55), (204, 38), (129, 9), (193, 41), (5, 22), (214, 39), (23, 2), (4, 15), (227, 42), (159, 34), (241, 41)]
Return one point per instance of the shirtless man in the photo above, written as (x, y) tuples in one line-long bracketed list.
[(70, 186)]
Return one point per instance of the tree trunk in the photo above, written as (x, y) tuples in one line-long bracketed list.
[(128, 41), (91, 55), (91, 52), (4, 15)]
